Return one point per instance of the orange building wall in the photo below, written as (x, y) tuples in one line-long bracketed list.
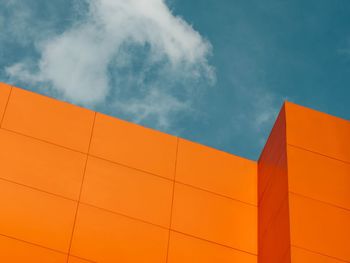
[(273, 230), (78, 186), (318, 150), (304, 189)]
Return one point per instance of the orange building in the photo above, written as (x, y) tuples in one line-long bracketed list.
[(78, 186)]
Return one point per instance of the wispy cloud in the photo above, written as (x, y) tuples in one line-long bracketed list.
[(345, 49), (136, 55), (156, 106)]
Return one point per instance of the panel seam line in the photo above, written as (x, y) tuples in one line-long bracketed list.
[(43, 247), (172, 199), (318, 253), (318, 153), (130, 167), (81, 187), (7, 102)]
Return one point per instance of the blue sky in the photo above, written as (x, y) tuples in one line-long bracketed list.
[(215, 72)]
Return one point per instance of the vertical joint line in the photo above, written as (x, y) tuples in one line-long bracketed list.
[(172, 199), (7, 102), (81, 186)]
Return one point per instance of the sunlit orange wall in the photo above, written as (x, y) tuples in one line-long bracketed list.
[(318, 150), (78, 186)]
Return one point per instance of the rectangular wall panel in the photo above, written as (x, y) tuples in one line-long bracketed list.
[(186, 249), (320, 227), (36, 217), (128, 191), (215, 218), (318, 132), (15, 251), (318, 176), (49, 120), (105, 237), (41, 165), (134, 146), (217, 171)]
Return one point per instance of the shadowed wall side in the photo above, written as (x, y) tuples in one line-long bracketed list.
[(273, 204)]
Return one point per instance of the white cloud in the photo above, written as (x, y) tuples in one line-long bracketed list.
[(345, 50), (81, 62), (20, 24), (156, 105), (21, 70), (265, 111)]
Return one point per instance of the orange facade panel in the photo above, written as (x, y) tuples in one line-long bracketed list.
[(15, 251), (72, 259), (4, 95), (318, 132), (36, 217), (103, 236), (306, 256), (320, 227), (319, 177), (78, 186), (127, 191), (187, 249), (134, 146), (48, 120), (218, 219), (217, 171), (29, 162)]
